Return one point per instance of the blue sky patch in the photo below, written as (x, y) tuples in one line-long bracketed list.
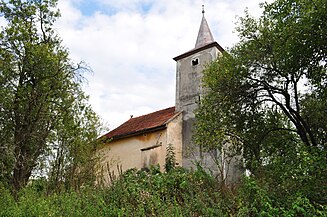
[(145, 7), (89, 7)]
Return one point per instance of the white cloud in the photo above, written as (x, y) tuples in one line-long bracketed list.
[(131, 50)]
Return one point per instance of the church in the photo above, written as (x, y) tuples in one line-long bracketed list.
[(142, 141)]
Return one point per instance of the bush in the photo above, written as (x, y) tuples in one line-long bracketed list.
[(254, 200), (175, 193)]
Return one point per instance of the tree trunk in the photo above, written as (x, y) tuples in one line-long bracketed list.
[(21, 174)]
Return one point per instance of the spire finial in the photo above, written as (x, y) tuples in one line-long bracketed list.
[(204, 35)]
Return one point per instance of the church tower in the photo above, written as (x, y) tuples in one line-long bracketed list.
[(189, 73)]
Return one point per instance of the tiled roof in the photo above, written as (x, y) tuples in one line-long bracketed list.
[(148, 122)]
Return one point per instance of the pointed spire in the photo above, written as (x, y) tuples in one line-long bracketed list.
[(204, 35)]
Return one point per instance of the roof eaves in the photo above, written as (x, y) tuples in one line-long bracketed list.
[(195, 50), (148, 130)]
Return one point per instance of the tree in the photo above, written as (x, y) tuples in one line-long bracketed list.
[(73, 145), (42, 101), (268, 93)]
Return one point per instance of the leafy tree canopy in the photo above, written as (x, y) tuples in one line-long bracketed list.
[(268, 97), (43, 110)]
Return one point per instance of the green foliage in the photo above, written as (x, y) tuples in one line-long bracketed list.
[(253, 199), (170, 160), (137, 193), (176, 193), (266, 98), (44, 112)]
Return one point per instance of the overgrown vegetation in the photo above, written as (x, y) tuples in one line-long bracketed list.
[(175, 193), (266, 100), (46, 122)]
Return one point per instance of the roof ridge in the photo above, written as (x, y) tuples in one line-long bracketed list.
[(151, 121), (152, 112)]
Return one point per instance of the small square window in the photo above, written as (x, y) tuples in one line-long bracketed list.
[(195, 62)]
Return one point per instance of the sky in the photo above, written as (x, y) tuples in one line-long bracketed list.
[(129, 45)]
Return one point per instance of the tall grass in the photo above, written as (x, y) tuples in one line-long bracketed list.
[(139, 193)]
